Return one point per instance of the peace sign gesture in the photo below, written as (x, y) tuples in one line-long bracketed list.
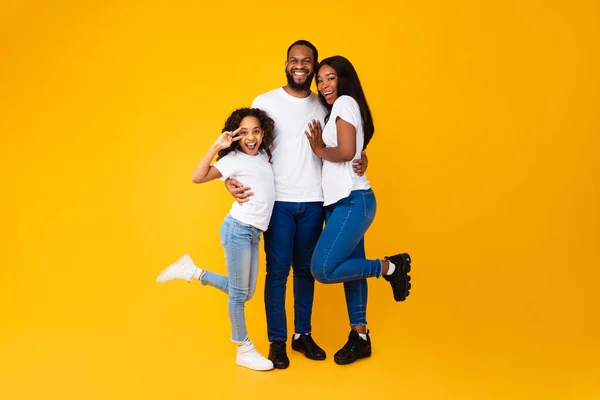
[(227, 138)]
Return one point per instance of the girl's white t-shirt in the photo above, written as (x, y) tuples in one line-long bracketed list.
[(256, 172), (338, 178)]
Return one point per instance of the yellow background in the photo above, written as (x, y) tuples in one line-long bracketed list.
[(484, 162)]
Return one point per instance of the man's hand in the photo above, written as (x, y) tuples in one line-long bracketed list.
[(238, 191), (360, 165)]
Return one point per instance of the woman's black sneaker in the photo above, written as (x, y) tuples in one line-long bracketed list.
[(354, 349), (399, 279)]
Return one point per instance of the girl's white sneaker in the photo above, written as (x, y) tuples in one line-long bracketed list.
[(183, 268), (248, 357)]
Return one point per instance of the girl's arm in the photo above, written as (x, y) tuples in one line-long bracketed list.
[(346, 138), (205, 172)]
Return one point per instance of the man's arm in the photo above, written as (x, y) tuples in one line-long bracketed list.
[(360, 165)]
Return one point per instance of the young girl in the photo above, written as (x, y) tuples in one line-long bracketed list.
[(243, 153), (339, 255)]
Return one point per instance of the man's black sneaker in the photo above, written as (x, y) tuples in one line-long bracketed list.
[(354, 349), (307, 346), (399, 279), (278, 355)]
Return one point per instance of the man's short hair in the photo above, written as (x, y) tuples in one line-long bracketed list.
[(307, 44)]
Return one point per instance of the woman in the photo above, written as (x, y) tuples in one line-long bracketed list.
[(350, 203)]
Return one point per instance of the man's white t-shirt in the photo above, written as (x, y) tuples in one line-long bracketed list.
[(339, 178), (297, 169), (256, 172)]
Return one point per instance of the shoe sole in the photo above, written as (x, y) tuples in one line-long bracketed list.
[(254, 369), (279, 366), (305, 355), (350, 362), (405, 268)]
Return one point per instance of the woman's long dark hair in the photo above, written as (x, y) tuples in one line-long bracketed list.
[(234, 121), (348, 84)]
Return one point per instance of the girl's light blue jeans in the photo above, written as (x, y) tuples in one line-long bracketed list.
[(240, 242)]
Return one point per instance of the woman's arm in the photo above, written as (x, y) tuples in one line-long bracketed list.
[(205, 172), (346, 138)]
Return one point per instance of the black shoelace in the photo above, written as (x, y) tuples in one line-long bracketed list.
[(278, 348), (307, 341)]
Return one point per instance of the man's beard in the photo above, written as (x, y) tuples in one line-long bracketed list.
[(299, 86)]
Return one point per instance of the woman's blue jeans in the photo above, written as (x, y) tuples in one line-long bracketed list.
[(240, 242), (340, 252)]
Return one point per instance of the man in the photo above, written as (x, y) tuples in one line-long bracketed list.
[(298, 214)]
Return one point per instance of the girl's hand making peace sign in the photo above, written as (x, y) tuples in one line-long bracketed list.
[(227, 138)]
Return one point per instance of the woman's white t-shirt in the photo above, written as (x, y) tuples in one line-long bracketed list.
[(338, 178), (256, 172)]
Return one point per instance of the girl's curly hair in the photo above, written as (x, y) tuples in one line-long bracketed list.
[(234, 121)]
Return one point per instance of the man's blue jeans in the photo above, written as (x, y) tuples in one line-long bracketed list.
[(290, 240), (240, 242), (340, 252)]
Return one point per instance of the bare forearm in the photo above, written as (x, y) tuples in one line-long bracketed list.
[(334, 154), (346, 143), (200, 173)]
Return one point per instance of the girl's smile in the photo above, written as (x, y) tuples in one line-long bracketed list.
[(252, 135)]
